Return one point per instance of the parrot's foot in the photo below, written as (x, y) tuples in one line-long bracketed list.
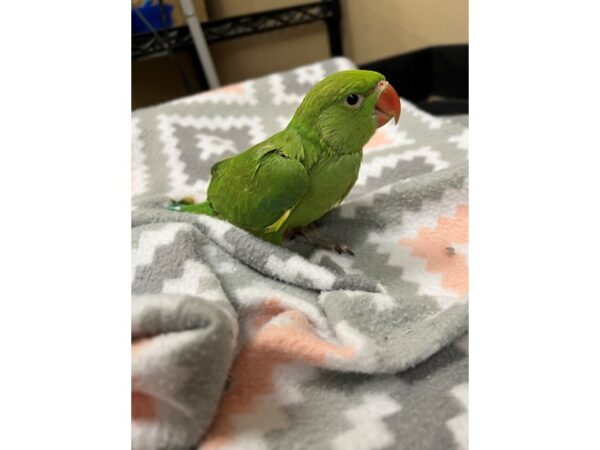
[(314, 237)]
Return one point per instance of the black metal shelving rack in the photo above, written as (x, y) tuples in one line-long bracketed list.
[(144, 45)]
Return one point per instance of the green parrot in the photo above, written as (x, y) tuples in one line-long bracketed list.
[(279, 187)]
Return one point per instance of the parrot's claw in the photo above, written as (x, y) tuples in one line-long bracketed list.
[(342, 248), (314, 237)]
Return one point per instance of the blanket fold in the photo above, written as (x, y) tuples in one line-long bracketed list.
[(182, 350)]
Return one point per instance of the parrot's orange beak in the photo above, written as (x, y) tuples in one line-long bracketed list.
[(388, 104)]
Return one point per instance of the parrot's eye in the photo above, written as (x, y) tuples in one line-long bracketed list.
[(353, 100)]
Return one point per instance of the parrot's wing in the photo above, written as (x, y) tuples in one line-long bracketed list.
[(259, 188)]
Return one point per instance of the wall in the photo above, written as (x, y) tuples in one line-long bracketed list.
[(376, 29), (371, 30)]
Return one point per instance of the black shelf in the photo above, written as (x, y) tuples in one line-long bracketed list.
[(145, 45)]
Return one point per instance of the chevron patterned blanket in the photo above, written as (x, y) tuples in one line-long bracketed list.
[(238, 344)]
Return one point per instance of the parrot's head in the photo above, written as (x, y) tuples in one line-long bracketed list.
[(347, 107)]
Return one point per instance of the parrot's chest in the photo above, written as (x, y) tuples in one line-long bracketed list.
[(331, 179)]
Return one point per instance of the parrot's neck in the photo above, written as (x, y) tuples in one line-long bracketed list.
[(310, 135)]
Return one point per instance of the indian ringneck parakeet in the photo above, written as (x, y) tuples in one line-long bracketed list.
[(279, 187)]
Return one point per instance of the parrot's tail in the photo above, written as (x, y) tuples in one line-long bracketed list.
[(198, 208)]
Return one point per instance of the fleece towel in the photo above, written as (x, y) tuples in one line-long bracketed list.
[(239, 344)]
